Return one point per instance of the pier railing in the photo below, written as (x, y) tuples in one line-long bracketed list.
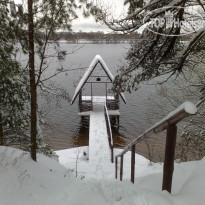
[(86, 104), (109, 131), (169, 123), (112, 104)]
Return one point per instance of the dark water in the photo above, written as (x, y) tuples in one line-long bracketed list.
[(69, 130)]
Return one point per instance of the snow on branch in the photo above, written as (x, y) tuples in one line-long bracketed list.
[(128, 24), (156, 11), (189, 48)]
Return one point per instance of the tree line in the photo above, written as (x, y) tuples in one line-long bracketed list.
[(98, 37)]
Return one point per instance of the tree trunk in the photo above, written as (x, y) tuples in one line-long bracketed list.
[(1, 130), (33, 91)]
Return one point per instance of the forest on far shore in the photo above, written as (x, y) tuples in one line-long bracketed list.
[(101, 37), (98, 37)]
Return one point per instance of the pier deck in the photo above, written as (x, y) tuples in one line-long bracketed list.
[(98, 138)]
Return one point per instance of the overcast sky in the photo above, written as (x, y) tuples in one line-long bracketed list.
[(115, 6)]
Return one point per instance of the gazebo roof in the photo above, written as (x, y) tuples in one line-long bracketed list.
[(89, 71)]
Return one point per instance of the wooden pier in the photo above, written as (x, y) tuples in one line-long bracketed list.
[(98, 137), (98, 102)]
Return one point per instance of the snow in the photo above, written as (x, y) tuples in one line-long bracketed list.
[(194, 186), (187, 189), (187, 106), (25, 182), (103, 97), (99, 151), (46, 182), (68, 158), (110, 112), (95, 61)]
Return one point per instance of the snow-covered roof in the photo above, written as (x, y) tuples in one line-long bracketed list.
[(92, 66)]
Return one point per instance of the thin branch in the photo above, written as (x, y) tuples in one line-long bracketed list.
[(200, 102)]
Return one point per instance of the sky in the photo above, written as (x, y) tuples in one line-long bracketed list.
[(116, 7)]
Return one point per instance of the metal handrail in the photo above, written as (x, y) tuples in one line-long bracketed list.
[(109, 131)]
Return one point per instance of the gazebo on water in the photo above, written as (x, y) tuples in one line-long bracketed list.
[(95, 86)]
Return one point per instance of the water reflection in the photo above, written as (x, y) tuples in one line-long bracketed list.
[(81, 136)]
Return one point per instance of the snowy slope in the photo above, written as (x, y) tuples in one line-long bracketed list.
[(68, 159), (25, 182), (148, 180), (46, 182), (193, 190)]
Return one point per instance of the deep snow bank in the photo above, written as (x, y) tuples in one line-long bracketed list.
[(46, 182), (188, 186)]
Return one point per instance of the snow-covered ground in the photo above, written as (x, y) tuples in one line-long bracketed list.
[(46, 182)]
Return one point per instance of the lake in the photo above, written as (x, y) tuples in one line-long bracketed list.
[(66, 130)]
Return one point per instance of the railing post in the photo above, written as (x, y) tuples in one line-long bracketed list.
[(80, 102), (116, 167), (121, 167), (91, 96), (80, 96), (118, 122), (133, 164), (169, 157), (106, 92), (112, 154), (109, 132)]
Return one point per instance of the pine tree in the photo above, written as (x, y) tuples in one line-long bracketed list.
[(43, 19), (159, 52), (13, 81)]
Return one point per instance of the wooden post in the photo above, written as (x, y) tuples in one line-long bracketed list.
[(80, 97), (133, 164), (80, 102), (118, 122), (112, 155), (91, 95), (106, 91), (91, 91), (116, 167), (121, 167), (169, 157), (117, 104)]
